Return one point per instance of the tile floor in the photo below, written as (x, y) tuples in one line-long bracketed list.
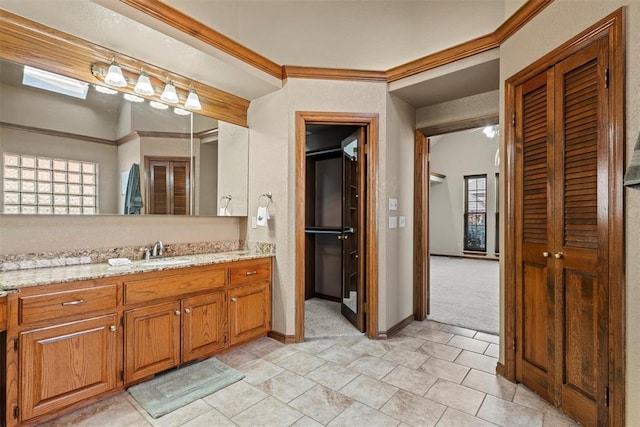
[(430, 374)]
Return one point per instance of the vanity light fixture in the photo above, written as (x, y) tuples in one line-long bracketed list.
[(169, 93), (133, 98), (181, 112), (158, 105), (114, 75), (144, 87), (193, 101), (106, 90)]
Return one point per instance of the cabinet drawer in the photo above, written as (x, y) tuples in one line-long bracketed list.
[(56, 305), (177, 285), (250, 271)]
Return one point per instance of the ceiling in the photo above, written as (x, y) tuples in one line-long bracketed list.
[(348, 34)]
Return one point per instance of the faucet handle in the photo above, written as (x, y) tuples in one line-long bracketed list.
[(147, 254)]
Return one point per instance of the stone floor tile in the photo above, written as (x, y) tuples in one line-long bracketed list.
[(232, 400), (528, 398), (263, 346), (333, 376), (405, 341), (361, 415), (490, 383), (509, 414), (116, 410), (446, 370), (306, 422), (208, 419), (313, 347), (339, 355), (413, 409), (236, 358), (321, 403), (301, 363), (372, 366), (414, 381), (492, 351), (558, 420), (470, 344), (258, 371), (377, 348), (432, 324), (412, 329), (269, 412), (431, 335), (280, 353), (181, 415), (465, 332), (441, 351), (408, 358), (454, 418), (286, 386), (369, 391), (477, 361), (495, 339), (456, 396)]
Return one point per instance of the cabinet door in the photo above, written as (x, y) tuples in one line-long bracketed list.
[(249, 311), (204, 325), (152, 340), (65, 364)]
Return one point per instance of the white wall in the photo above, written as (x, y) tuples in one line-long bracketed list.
[(455, 155), (272, 168), (483, 104), (559, 22)]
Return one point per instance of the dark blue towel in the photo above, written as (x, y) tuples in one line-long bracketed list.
[(133, 198)]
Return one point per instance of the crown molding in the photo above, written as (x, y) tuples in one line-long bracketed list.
[(333, 74), (27, 42), (520, 18), (183, 22)]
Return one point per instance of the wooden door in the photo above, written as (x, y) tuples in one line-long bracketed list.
[(168, 186), (249, 312), (562, 173), (204, 325), (62, 365), (353, 197), (535, 291), (152, 340)]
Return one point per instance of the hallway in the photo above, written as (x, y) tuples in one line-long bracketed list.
[(430, 374)]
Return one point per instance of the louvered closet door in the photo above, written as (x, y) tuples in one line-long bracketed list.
[(580, 250), (534, 288)]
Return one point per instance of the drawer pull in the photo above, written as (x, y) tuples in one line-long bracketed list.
[(76, 302), (251, 273), (187, 310), (234, 299)]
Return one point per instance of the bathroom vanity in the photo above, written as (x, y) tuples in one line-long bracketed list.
[(73, 342)]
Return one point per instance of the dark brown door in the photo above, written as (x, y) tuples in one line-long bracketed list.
[(353, 174), (562, 256), (168, 182)]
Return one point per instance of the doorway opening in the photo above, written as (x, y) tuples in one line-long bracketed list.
[(464, 277), (336, 252)]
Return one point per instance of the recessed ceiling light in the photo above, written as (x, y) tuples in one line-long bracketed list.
[(106, 90), (158, 105), (133, 98), (181, 112)]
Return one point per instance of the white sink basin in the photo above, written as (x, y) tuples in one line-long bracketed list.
[(166, 261)]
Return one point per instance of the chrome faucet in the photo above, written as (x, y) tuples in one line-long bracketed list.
[(158, 249)]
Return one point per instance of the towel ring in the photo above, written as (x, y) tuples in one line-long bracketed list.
[(266, 196), (228, 199)]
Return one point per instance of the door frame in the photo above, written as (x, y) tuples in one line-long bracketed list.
[(611, 28), (370, 122), (421, 206)]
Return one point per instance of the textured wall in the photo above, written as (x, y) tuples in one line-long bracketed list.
[(460, 109)]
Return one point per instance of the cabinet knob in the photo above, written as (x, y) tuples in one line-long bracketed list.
[(234, 299), (546, 254), (187, 310), (177, 312), (340, 237), (558, 255), (112, 328)]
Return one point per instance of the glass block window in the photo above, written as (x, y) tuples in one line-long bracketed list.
[(40, 185)]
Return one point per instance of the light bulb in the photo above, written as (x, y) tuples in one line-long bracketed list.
[(193, 102), (143, 87), (169, 93), (114, 75)]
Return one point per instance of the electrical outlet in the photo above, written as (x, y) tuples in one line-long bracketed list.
[(402, 221), (393, 204), (393, 222)]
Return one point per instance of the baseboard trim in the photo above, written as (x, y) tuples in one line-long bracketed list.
[(285, 339), (500, 369), (383, 335), (483, 257)]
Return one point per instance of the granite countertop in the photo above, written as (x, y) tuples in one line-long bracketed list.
[(14, 280)]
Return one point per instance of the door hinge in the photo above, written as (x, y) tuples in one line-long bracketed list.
[(16, 344), (513, 119), (16, 412), (365, 148), (606, 78), (606, 396)]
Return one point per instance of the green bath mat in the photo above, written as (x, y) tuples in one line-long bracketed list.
[(178, 388)]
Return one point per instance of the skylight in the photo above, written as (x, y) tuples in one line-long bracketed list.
[(54, 83)]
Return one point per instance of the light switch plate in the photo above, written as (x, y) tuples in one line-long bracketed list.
[(254, 222), (393, 204), (393, 222), (402, 221)]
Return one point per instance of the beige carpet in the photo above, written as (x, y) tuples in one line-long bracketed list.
[(465, 292), (322, 319)]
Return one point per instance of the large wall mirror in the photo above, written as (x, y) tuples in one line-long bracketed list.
[(72, 149)]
